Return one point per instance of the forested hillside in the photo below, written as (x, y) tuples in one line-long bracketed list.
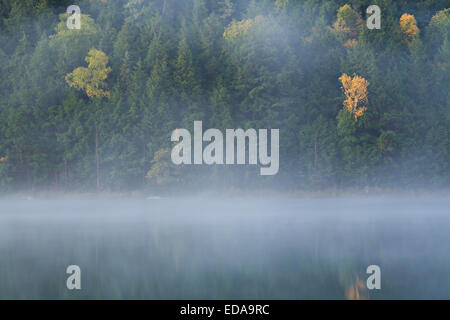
[(93, 109)]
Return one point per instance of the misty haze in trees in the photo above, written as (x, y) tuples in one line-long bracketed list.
[(93, 109)]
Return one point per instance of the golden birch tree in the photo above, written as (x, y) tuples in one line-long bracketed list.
[(91, 79), (355, 91), (408, 25)]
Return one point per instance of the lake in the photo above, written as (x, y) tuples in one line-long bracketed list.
[(249, 248)]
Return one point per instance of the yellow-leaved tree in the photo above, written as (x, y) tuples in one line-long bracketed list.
[(408, 25), (348, 25), (91, 79), (355, 91), (163, 172), (438, 38), (240, 28)]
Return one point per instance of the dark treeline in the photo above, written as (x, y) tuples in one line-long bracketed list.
[(232, 64)]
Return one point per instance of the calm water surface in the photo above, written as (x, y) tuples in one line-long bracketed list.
[(224, 249)]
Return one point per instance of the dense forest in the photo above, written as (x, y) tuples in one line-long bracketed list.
[(94, 108)]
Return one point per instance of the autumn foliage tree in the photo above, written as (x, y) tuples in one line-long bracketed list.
[(355, 91), (240, 28), (91, 79), (232, 64), (408, 25), (163, 171), (347, 25), (438, 38)]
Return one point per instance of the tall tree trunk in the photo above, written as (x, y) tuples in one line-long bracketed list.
[(144, 154), (66, 174), (97, 162), (315, 152)]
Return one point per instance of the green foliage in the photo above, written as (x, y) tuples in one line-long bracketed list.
[(163, 172), (231, 64)]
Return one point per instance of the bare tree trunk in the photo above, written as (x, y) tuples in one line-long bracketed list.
[(97, 162), (66, 174), (315, 152), (144, 153)]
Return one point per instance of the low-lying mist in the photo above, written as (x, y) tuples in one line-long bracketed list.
[(199, 248)]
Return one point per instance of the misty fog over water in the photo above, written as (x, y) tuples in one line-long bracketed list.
[(224, 248)]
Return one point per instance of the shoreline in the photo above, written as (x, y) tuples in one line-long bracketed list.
[(230, 193)]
